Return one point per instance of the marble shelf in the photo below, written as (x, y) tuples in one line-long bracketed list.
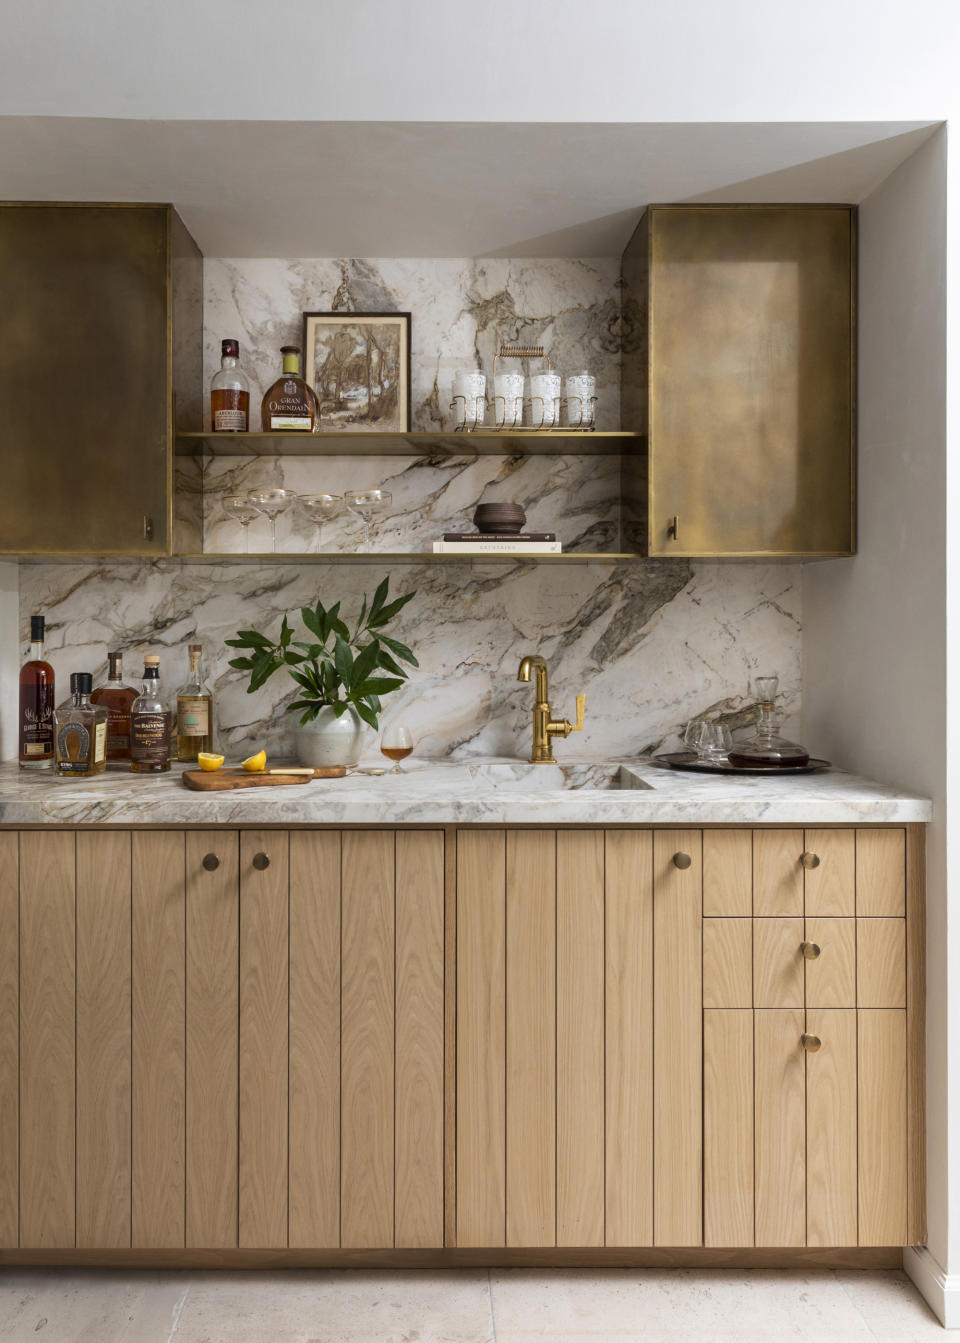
[(508, 443)]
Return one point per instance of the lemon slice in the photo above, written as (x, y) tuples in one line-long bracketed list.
[(256, 764), (207, 760)]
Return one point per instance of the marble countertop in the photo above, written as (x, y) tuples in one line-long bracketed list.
[(479, 791)]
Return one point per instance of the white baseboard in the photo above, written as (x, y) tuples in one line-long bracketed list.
[(940, 1290)]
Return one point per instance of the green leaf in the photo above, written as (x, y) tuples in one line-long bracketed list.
[(313, 621), (286, 633), (367, 714), (264, 665), (379, 597), (312, 650), (311, 713), (401, 650), (386, 662), (241, 664), (249, 639), (390, 611), (292, 659), (343, 659), (366, 661), (377, 686), (339, 707), (374, 702)]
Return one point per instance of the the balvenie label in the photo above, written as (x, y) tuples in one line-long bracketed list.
[(150, 738)]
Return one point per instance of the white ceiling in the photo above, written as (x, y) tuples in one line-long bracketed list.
[(393, 189)]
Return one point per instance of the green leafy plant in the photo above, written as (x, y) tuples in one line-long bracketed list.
[(334, 668)]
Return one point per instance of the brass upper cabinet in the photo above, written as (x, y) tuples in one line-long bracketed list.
[(100, 336), (740, 366)]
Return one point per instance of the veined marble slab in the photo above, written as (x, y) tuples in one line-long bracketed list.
[(484, 791)]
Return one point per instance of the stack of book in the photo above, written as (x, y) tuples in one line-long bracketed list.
[(497, 543)]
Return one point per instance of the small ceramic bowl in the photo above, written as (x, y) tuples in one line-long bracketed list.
[(499, 517)]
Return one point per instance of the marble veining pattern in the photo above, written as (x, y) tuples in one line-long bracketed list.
[(651, 643)]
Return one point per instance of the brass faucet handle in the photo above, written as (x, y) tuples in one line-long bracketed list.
[(581, 704), (564, 727)]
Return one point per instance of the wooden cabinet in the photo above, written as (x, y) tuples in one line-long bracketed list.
[(739, 366), (100, 354)]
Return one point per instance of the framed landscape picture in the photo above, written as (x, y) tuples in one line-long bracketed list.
[(358, 363)]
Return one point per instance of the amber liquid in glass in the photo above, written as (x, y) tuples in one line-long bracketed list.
[(234, 401), (36, 708), (116, 698), (396, 753), (290, 405)]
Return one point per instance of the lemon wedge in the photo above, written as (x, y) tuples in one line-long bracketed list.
[(256, 764), (207, 760)]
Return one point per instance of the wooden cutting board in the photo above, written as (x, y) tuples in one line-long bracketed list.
[(220, 780)]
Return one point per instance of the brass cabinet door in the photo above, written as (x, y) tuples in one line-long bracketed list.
[(84, 354)]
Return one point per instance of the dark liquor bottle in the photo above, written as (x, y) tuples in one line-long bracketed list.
[(36, 703), (230, 393), (291, 404), (117, 698), (149, 724)]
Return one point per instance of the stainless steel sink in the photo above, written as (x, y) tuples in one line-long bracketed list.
[(521, 777)]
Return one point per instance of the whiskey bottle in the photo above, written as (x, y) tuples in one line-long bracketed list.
[(291, 403), (229, 392), (36, 704), (149, 724), (194, 711), (117, 698), (80, 730)]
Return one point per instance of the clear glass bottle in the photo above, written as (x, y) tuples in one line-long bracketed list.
[(194, 711), (229, 393), (37, 690), (117, 698), (149, 724), (291, 404), (80, 733), (767, 749)]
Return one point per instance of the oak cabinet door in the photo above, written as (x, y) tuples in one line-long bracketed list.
[(9, 1040)]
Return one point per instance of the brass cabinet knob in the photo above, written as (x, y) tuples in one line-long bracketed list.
[(211, 862), (260, 861), (810, 860), (810, 950), (811, 1043), (682, 860)]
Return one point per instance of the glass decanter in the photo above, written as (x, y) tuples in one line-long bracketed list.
[(767, 749)]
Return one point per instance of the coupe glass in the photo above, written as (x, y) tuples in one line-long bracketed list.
[(319, 508), (367, 504), (244, 510), (396, 743), (272, 503)]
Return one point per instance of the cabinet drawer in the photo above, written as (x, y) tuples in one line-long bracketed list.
[(777, 963), (881, 963), (831, 973), (829, 873)]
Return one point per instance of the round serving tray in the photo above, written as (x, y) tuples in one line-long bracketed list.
[(688, 760)]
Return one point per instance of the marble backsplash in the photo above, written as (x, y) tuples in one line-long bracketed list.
[(461, 310), (651, 643)]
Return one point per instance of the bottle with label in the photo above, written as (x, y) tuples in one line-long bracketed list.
[(229, 393), (291, 404), (36, 703), (80, 730), (117, 698), (194, 711), (149, 724)]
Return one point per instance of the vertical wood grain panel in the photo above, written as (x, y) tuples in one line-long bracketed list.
[(777, 873), (779, 1161), (727, 1128), (832, 1129), (727, 873), (728, 962), (777, 963), (314, 1039), (47, 1040), (450, 1037), (264, 1041), (916, 838), (9, 1040), (213, 982), (481, 1037), (881, 962), (629, 1042), (531, 1037), (580, 1071), (881, 876), (831, 979), (677, 1041), (103, 1039), (419, 1103), (829, 890), (367, 1040), (159, 1047), (882, 1075)]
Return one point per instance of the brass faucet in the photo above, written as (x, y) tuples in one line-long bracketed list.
[(546, 728)]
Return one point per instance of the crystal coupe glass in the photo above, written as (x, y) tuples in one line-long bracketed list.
[(244, 510), (367, 504), (319, 508), (272, 503)]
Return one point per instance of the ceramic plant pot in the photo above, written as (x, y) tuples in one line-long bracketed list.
[(329, 740)]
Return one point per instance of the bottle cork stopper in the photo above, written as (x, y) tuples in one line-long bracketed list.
[(151, 660), (196, 648)]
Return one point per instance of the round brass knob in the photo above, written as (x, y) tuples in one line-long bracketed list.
[(260, 861), (211, 862), (682, 860), (811, 1043), (810, 950), (810, 860)]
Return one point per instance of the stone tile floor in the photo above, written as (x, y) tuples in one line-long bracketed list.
[(468, 1306)]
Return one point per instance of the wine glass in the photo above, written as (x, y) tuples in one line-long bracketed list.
[(244, 510), (396, 743), (367, 504), (319, 508), (272, 503)]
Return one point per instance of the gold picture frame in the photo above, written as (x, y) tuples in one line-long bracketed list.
[(358, 363)]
